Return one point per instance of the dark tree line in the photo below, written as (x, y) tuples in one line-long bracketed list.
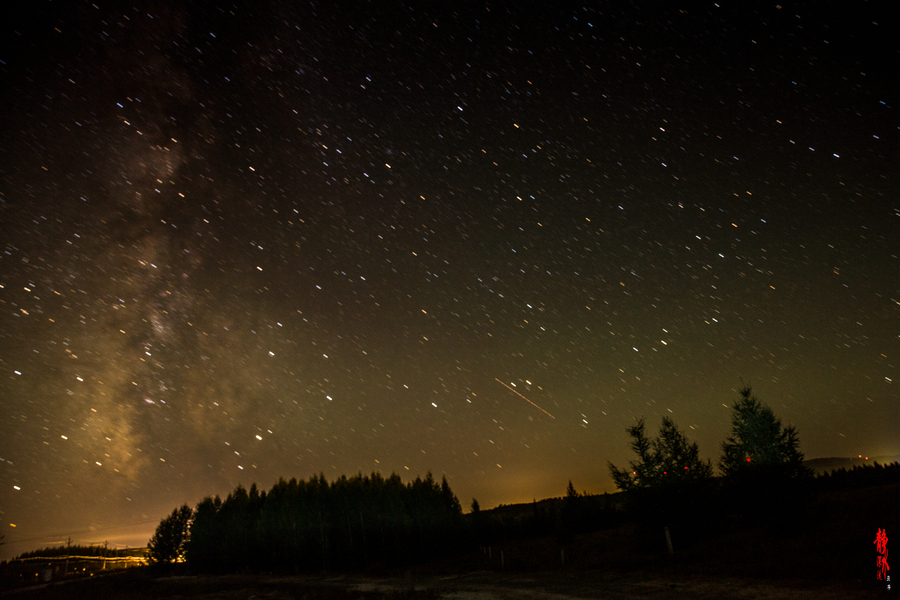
[(364, 521), (356, 522), (314, 525), (75, 550), (859, 476)]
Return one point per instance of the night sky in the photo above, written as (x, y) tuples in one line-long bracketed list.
[(242, 242)]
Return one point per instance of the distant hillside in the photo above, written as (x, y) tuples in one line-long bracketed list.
[(826, 465), (550, 505), (615, 500)]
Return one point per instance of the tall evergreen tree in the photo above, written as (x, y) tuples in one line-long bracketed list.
[(572, 513), (759, 442), (451, 502)]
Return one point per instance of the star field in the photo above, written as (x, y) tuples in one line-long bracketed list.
[(247, 241)]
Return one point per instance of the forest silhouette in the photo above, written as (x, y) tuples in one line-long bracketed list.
[(766, 494), (316, 525), (371, 522)]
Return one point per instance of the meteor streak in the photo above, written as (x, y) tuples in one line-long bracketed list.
[(524, 398)]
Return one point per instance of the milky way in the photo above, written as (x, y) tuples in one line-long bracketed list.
[(276, 239)]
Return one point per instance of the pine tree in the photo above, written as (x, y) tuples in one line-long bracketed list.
[(759, 443)]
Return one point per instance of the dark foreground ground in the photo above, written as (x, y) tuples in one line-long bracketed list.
[(482, 585), (826, 551)]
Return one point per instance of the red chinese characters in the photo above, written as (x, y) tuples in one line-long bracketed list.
[(881, 540)]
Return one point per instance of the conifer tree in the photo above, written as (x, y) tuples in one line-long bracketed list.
[(759, 443), (669, 458)]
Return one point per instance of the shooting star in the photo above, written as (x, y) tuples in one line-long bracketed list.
[(524, 398)]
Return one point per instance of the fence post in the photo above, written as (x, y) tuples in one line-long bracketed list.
[(669, 541)]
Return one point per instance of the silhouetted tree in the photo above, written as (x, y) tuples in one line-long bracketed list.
[(451, 502), (571, 514), (168, 542), (765, 477), (758, 442), (204, 546), (668, 459), (668, 485)]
